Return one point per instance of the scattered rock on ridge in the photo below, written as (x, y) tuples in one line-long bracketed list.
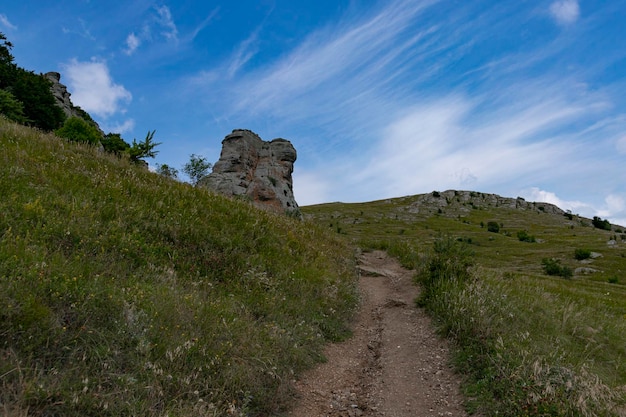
[(252, 168)]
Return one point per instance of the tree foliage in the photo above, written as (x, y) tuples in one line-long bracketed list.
[(140, 150), (113, 143), (197, 168), (79, 130), (598, 223), (30, 89), (167, 171), (11, 107)]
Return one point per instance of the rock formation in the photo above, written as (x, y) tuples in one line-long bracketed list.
[(62, 96), (252, 168)]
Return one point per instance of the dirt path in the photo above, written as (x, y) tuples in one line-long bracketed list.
[(393, 366)]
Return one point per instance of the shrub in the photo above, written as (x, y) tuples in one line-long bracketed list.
[(11, 107), (493, 227), (79, 130), (582, 254), (598, 223), (448, 263), (523, 236), (553, 266), (113, 143)]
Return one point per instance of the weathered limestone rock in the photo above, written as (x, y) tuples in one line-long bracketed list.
[(62, 96), (255, 169)]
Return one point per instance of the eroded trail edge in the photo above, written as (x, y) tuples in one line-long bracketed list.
[(394, 365)]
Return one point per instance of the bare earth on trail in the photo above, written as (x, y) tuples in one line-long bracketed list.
[(394, 365)]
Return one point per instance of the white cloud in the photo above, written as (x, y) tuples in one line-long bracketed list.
[(4, 21), (164, 18), (93, 89), (565, 12), (132, 43), (536, 194), (123, 127), (614, 207), (310, 188), (245, 52)]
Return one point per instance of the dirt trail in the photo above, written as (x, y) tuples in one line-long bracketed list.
[(394, 365)]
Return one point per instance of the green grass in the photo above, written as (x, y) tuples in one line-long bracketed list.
[(125, 293), (527, 344)]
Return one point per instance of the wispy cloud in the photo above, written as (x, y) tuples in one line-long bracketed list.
[(93, 88), (82, 30), (132, 43), (161, 21), (166, 22), (4, 21), (207, 20), (565, 12), (245, 51), (384, 91)]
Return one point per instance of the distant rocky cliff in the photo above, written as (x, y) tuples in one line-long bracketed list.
[(257, 170), (62, 96)]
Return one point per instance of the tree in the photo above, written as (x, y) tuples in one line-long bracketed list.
[(493, 227), (145, 149), (113, 143), (79, 130), (197, 168), (167, 171), (12, 108), (598, 223)]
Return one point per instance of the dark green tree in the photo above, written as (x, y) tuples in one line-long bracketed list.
[(140, 150), (113, 143), (197, 168), (11, 107), (598, 223), (79, 130), (39, 104)]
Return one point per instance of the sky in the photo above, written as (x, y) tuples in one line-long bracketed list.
[(381, 99)]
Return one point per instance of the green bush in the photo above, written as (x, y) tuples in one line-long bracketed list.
[(113, 143), (448, 263), (79, 130), (493, 227), (582, 254), (553, 266), (523, 236), (11, 107), (598, 223)]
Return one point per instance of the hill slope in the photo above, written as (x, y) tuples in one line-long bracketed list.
[(528, 343), (125, 293)]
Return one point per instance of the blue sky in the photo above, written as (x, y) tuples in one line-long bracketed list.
[(380, 99)]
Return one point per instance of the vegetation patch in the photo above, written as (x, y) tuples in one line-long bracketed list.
[(126, 293)]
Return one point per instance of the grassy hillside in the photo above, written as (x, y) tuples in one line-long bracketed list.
[(125, 293), (529, 344)]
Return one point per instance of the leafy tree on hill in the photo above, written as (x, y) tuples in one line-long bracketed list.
[(140, 150), (167, 171), (113, 143), (598, 223), (32, 90), (11, 107), (79, 130), (197, 168)]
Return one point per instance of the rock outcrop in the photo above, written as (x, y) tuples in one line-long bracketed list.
[(62, 96), (257, 170)]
